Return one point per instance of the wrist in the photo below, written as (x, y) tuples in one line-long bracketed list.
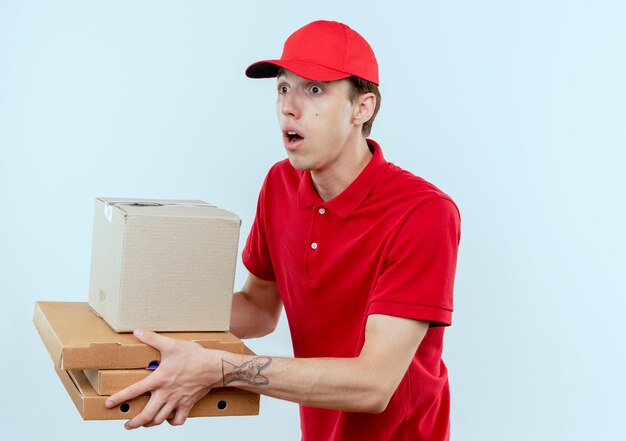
[(241, 370), (212, 367)]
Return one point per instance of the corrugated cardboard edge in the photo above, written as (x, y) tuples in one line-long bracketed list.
[(48, 336), (218, 402)]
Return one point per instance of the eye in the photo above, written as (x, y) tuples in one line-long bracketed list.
[(315, 89), (283, 89)]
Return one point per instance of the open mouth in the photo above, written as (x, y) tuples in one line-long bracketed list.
[(293, 136)]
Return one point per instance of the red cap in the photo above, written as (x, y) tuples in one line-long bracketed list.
[(322, 51)]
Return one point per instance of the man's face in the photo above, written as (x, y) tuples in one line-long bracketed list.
[(315, 118)]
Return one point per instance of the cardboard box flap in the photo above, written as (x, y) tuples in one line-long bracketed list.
[(90, 405), (165, 208), (139, 201), (77, 338)]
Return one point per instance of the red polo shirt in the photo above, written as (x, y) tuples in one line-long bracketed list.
[(386, 245)]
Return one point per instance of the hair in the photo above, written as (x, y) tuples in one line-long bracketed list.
[(360, 87)]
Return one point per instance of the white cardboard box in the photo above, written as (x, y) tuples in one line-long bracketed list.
[(163, 265)]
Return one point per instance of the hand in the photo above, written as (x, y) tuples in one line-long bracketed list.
[(186, 373)]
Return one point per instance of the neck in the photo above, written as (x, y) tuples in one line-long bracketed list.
[(332, 181)]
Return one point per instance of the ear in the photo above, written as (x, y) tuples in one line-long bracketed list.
[(363, 108)]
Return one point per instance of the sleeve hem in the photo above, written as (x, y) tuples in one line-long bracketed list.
[(257, 271), (435, 315)]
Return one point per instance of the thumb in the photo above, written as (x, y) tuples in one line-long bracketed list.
[(151, 338)]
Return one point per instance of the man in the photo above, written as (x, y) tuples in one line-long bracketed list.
[(361, 253)]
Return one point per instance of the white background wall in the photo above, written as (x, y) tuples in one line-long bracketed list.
[(516, 109)]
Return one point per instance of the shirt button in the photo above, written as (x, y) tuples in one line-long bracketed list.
[(321, 211), (314, 245)]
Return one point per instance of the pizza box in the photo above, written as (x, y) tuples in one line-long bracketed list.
[(77, 338), (90, 405)]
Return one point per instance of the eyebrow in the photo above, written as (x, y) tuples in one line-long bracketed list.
[(324, 83)]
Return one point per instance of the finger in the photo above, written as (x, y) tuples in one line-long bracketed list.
[(152, 338), (182, 412), (161, 415), (164, 413), (148, 413), (140, 388)]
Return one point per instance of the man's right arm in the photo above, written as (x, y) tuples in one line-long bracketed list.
[(256, 308)]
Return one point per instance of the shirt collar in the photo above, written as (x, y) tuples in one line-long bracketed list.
[(351, 198)]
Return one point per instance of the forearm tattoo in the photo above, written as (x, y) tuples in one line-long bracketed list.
[(249, 372)]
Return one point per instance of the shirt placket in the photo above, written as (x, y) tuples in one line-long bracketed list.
[(314, 245)]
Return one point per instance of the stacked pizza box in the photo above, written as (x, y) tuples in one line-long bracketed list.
[(162, 265)]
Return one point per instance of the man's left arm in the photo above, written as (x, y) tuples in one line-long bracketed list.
[(361, 384)]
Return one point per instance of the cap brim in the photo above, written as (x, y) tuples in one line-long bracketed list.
[(305, 69)]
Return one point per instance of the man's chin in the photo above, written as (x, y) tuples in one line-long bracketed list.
[(297, 163)]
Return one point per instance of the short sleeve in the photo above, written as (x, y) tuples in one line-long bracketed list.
[(256, 256), (417, 280)]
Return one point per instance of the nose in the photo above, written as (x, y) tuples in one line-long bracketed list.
[(288, 105)]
